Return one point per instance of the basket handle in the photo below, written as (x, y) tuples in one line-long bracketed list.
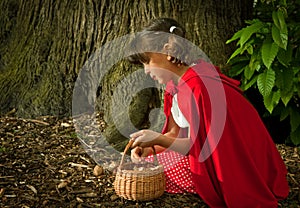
[(129, 144)]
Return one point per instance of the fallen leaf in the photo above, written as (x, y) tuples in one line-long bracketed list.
[(2, 191), (98, 170), (32, 189), (63, 184), (79, 199)]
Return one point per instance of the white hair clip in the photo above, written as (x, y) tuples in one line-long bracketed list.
[(172, 28)]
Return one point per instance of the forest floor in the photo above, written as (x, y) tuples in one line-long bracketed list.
[(43, 164)]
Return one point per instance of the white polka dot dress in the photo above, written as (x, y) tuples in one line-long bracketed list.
[(177, 171)]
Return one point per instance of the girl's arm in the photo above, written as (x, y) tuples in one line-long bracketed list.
[(148, 138), (173, 131)]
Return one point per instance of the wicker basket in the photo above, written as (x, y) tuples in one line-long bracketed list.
[(132, 183)]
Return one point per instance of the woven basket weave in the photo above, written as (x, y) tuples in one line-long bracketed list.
[(132, 183)]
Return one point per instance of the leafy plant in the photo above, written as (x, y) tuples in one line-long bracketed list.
[(267, 59)]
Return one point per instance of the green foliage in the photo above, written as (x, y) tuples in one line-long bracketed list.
[(267, 59)]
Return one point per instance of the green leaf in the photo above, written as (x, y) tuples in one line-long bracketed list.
[(250, 49), (279, 38), (284, 38), (297, 52), (286, 97), (269, 51), (235, 36), (250, 83), (284, 82), (298, 89), (248, 72), (284, 113), (247, 47), (284, 77), (281, 19), (240, 59), (275, 19), (283, 3), (236, 69), (235, 53), (285, 56), (295, 136), (254, 63), (294, 120), (237, 65), (265, 82), (272, 100), (249, 30)]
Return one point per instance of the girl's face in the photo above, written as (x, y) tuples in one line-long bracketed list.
[(160, 69)]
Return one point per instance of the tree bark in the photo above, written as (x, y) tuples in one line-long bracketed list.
[(45, 44)]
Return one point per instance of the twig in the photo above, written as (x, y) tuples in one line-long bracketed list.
[(291, 176), (10, 112), (78, 165), (36, 121)]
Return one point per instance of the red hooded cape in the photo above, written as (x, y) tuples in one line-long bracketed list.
[(234, 161)]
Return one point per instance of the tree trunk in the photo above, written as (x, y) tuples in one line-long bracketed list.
[(45, 44), (211, 23)]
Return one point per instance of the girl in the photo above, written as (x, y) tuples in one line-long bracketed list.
[(213, 142)]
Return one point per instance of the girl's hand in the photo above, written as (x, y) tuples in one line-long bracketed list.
[(146, 138), (138, 153)]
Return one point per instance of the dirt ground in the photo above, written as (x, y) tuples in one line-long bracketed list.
[(43, 164)]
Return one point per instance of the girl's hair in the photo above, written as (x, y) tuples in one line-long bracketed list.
[(164, 25), (153, 39)]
